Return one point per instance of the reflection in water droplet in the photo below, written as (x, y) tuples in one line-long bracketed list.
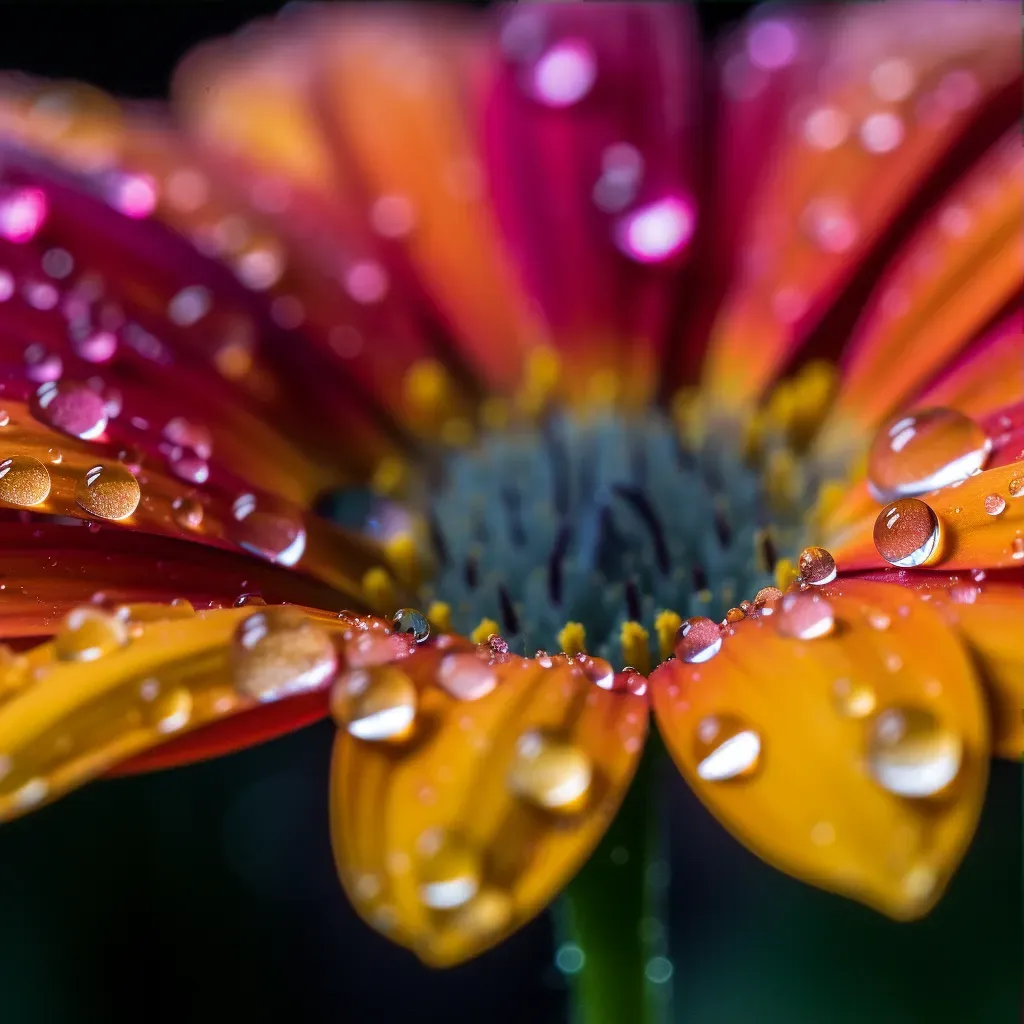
[(855, 699), (698, 639), (279, 652), (906, 533), (448, 872), (816, 566), (923, 451), (187, 512), (110, 492), (804, 616), (413, 622), (23, 481), (995, 504), (88, 633), (466, 676), (549, 773), (911, 754), (726, 748), (377, 704), (72, 408), (1016, 488)]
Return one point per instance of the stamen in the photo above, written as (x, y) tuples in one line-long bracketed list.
[(439, 615), (378, 590), (542, 372), (484, 631), (572, 639), (666, 625), (390, 476), (785, 574), (404, 557), (635, 643)]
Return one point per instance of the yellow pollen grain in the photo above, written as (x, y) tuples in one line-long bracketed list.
[(439, 615), (572, 639), (635, 646), (378, 590), (389, 477), (404, 558), (487, 628), (666, 625), (785, 573)]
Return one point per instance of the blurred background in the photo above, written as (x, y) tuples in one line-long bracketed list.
[(209, 893)]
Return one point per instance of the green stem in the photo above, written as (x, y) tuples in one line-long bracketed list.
[(612, 925)]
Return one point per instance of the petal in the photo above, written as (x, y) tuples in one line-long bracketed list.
[(885, 93), (589, 157), (986, 610), (433, 844), (832, 789), (981, 523)]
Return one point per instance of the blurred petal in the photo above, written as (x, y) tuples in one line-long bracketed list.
[(887, 90), (452, 836), (589, 156), (856, 760), (981, 524)]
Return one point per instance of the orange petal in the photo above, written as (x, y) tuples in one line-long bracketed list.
[(981, 522), (877, 104), (111, 686), (451, 836), (856, 761)]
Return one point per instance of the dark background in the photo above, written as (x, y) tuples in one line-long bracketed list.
[(209, 893)]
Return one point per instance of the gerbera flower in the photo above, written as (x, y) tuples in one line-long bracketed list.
[(590, 394)]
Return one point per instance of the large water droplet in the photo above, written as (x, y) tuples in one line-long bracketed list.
[(804, 616), (466, 676), (906, 532), (816, 566), (995, 504), (23, 480), (278, 652), (72, 408), (448, 871), (277, 538), (413, 622), (698, 639), (377, 704), (911, 754), (88, 633), (923, 451), (549, 773), (726, 748), (110, 492)]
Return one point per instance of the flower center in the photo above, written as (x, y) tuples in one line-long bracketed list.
[(603, 524)]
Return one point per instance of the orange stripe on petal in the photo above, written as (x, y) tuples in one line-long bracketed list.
[(456, 823), (856, 761)]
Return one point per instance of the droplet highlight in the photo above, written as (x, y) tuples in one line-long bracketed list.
[(376, 705), (549, 773), (24, 481), (906, 533), (726, 748), (911, 754), (698, 640), (110, 492)]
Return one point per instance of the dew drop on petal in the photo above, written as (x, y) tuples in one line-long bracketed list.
[(169, 712), (1017, 549), (1016, 488), (187, 512), (22, 213), (852, 698), (96, 347), (190, 468), (804, 616), (771, 45), (881, 132), (698, 639), (377, 704), (911, 754), (110, 492), (487, 914), (549, 773), (42, 365), (906, 533), (923, 451), (413, 622), (277, 538), (726, 748), (23, 480), (995, 504), (88, 633), (826, 128), (466, 676), (448, 873), (597, 671), (816, 566), (656, 231), (766, 600), (189, 305), (72, 408), (564, 74), (278, 652)]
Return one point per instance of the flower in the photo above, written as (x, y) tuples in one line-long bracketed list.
[(472, 276)]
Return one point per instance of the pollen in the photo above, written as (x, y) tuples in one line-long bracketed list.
[(484, 631), (666, 625), (785, 574), (404, 558), (572, 639), (439, 615), (378, 590), (636, 651)]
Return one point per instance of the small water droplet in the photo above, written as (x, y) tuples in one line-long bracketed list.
[(277, 538), (550, 773), (23, 481), (923, 451), (33, 793), (656, 231), (110, 492), (190, 468), (906, 533), (413, 622), (169, 712), (995, 504), (187, 512), (597, 671), (72, 408), (854, 699), (1016, 488), (658, 970), (189, 306), (466, 676), (377, 704), (279, 652), (22, 213), (569, 958), (911, 754), (1017, 549), (726, 748), (881, 132), (804, 616), (564, 74), (487, 914), (698, 639), (766, 600), (448, 873), (88, 633), (816, 566)]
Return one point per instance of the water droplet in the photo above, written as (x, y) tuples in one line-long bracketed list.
[(964, 593), (564, 74), (449, 873), (413, 622), (598, 671), (549, 773), (466, 676), (923, 451), (734, 615), (1016, 488), (377, 704), (23, 481), (1017, 549), (181, 432), (487, 914), (277, 538), (72, 408), (169, 712), (5, 418), (826, 128), (698, 639), (771, 44), (892, 80), (995, 504), (658, 970), (190, 468), (656, 231), (110, 492), (726, 748), (187, 512), (33, 793), (881, 133), (906, 533), (816, 566), (88, 633), (22, 213), (279, 652), (854, 699), (766, 600), (569, 958), (804, 616), (189, 306), (911, 754)]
